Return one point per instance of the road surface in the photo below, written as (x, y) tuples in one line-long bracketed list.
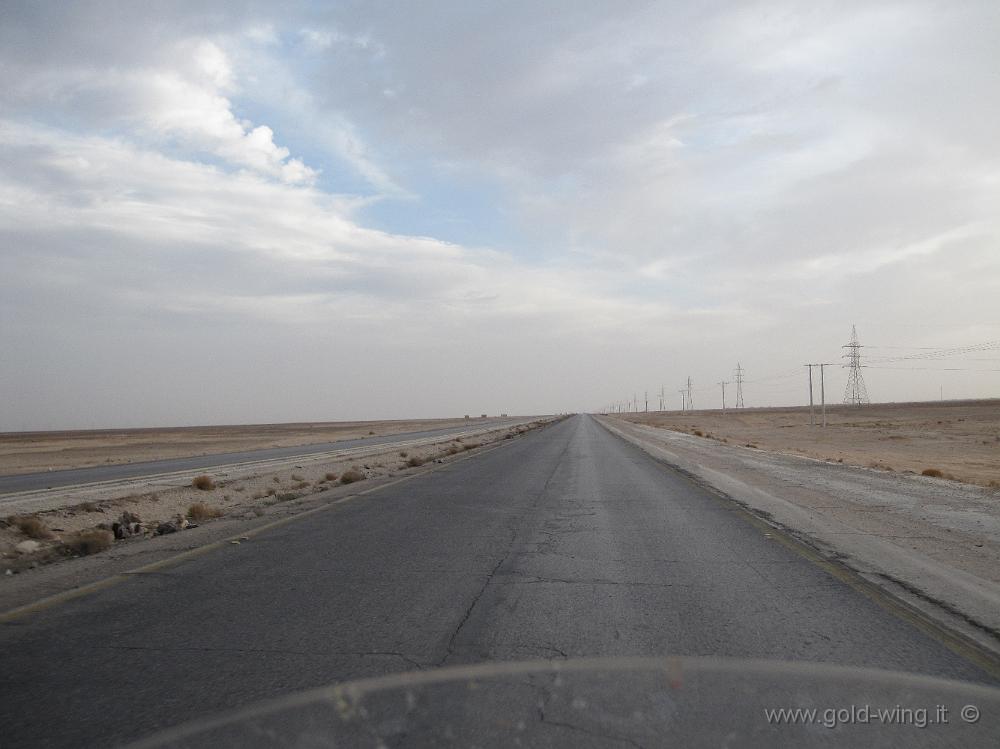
[(565, 542), (75, 476)]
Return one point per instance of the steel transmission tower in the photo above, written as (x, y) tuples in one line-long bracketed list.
[(739, 385), (855, 394), (690, 398)]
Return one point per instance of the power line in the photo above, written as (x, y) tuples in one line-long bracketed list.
[(930, 369)]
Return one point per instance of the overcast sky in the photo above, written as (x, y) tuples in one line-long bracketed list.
[(256, 212)]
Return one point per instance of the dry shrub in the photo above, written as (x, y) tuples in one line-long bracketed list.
[(936, 473), (287, 496), (88, 542), (257, 511), (200, 512), (259, 495), (204, 483), (272, 491), (32, 527), (454, 449), (276, 480), (403, 453), (415, 461), (296, 477), (301, 485), (90, 507), (331, 477), (351, 475), (471, 445), (698, 433)]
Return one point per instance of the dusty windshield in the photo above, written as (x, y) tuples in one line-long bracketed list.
[(643, 358)]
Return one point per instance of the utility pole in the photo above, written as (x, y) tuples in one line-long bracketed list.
[(822, 391), (739, 386), (647, 401), (812, 416), (723, 395), (661, 396)]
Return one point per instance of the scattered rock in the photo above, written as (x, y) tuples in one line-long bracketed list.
[(27, 547), (179, 523), (126, 526)]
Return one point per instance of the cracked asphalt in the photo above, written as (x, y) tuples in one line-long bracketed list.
[(565, 542)]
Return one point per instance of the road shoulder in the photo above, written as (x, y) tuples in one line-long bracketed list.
[(906, 535)]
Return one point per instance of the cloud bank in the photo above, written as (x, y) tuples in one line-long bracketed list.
[(227, 214)]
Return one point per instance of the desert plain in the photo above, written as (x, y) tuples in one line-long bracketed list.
[(959, 439), (27, 452)]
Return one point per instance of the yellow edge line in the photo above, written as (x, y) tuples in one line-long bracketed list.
[(84, 590), (958, 643)]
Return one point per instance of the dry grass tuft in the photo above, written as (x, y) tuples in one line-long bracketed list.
[(204, 483), (88, 542), (698, 433), (32, 527), (300, 485), (415, 461), (272, 491), (936, 473), (351, 475), (331, 476), (90, 507), (199, 512)]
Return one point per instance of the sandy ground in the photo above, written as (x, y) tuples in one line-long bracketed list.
[(248, 493), (27, 452), (960, 438), (932, 541)]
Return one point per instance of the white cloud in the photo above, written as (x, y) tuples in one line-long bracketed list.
[(689, 182)]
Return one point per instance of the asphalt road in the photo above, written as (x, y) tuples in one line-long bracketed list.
[(565, 542), (73, 476)]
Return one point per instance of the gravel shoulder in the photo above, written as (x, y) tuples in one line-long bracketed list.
[(933, 542)]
